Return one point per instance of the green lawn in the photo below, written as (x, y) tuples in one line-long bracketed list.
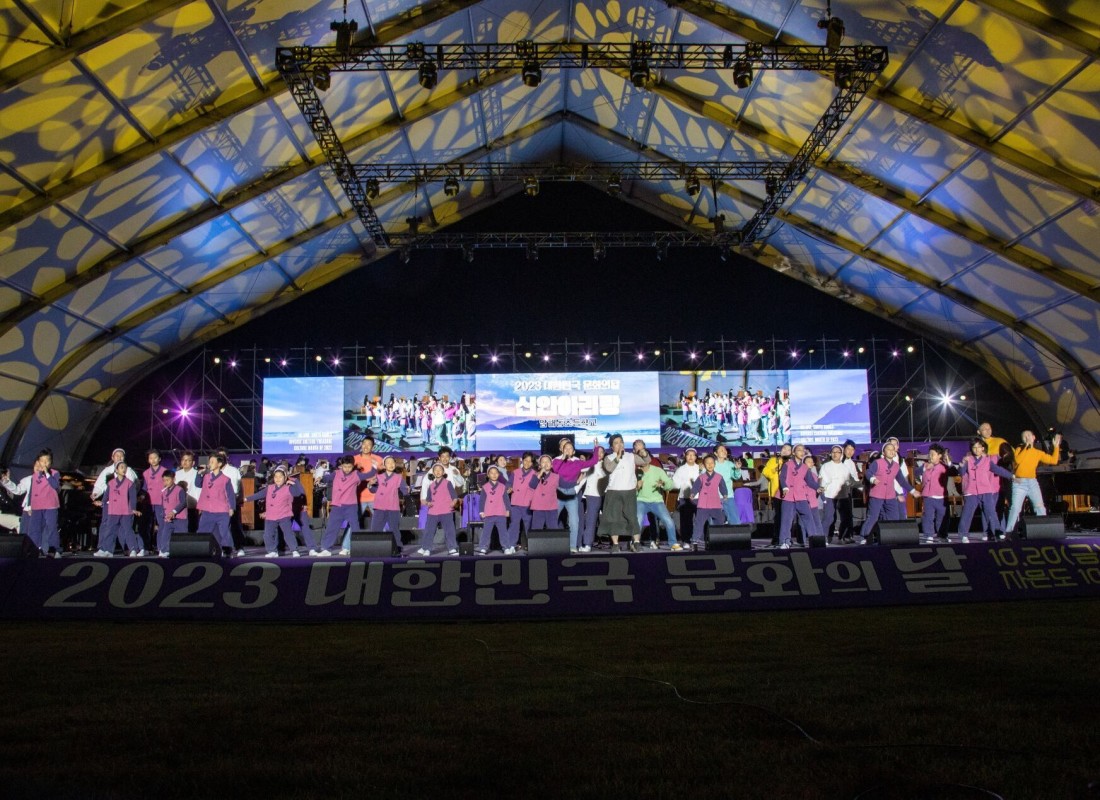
[(424, 710)]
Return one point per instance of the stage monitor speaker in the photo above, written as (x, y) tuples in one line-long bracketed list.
[(549, 542), (817, 541), (1043, 527), (899, 531), (16, 545), (410, 523), (729, 537), (193, 545), (365, 544)]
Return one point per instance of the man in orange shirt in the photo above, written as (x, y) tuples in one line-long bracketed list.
[(1024, 482), (364, 462)]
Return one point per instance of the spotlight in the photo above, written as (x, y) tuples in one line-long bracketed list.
[(531, 186), (414, 51), (450, 186), (794, 354), (641, 356), (771, 186), (587, 356), (282, 363), (322, 78), (859, 350), (493, 359), (742, 73), (946, 400), (834, 32), (335, 362), (760, 351), (691, 356), (908, 399), (344, 31), (232, 364), (545, 358), (656, 352), (422, 356), (389, 360), (373, 188), (691, 185), (846, 354), (842, 76), (429, 75), (962, 396), (185, 412), (639, 73), (910, 349), (164, 411), (439, 359), (614, 185), (267, 359), (221, 410), (217, 360), (532, 74), (895, 354), (316, 358), (744, 355)]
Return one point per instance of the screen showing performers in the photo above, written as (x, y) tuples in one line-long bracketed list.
[(302, 415), (410, 413), (516, 410)]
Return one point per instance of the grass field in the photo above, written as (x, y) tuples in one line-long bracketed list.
[(903, 703)]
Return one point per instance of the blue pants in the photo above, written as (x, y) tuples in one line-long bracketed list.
[(933, 515), (714, 516), (118, 527), (521, 515), (271, 534), (503, 529), (544, 520), (217, 524), (988, 504), (380, 520), (877, 509), (42, 529), (661, 517), (436, 521), (806, 518), (338, 517), (572, 508), (165, 529), (733, 515), (591, 520)]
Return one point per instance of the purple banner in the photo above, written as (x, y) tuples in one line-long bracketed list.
[(514, 587)]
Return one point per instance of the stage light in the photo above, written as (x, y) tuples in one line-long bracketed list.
[(526, 355), (910, 349), (532, 252), (859, 350), (532, 74), (450, 186), (267, 360), (639, 72), (760, 351), (744, 355), (317, 358), (614, 185), (946, 400), (217, 360), (587, 356), (908, 399), (604, 354), (475, 355), (232, 364), (962, 396), (322, 78), (846, 354), (164, 411), (691, 356), (641, 356), (531, 186), (185, 412), (710, 352), (834, 31), (842, 76), (422, 356), (656, 352), (771, 186), (282, 363), (467, 254), (414, 51), (895, 354), (545, 358), (794, 354), (389, 360), (335, 362), (344, 31), (691, 185), (429, 75), (493, 359), (810, 351), (221, 410), (742, 73), (439, 359), (373, 188)]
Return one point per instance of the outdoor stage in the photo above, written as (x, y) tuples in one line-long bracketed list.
[(512, 587)]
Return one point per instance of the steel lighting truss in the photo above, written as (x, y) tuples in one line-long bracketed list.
[(306, 69)]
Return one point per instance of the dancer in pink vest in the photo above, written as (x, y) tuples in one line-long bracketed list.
[(441, 497), (933, 489), (152, 479), (343, 504), (174, 503), (980, 487), (387, 500), (217, 501), (798, 487), (709, 492), (495, 510), (544, 495), (44, 501), (119, 509), (278, 497), (883, 502), (522, 490)]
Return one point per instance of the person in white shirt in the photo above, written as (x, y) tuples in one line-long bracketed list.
[(837, 476), (450, 472), (100, 485), (592, 481), (620, 501), (682, 479), (22, 489), (189, 476)]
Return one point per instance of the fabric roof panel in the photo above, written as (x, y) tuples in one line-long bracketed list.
[(123, 292), (929, 248), (842, 208), (19, 37), (501, 21), (1072, 241), (203, 251), (511, 105), (608, 100), (294, 206), (47, 249), (623, 21)]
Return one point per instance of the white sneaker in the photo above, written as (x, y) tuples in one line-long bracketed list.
[(272, 554), (131, 554), (452, 552), (573, 550), (103, 554), (137, 554), (324, 553), (314, 553), (585, 549), (965, 540), (785, 546), (164, 554), (483, 552), (345, 552), (295, 554), (57, 554), (863, 541), (509, 551), (240, 553), (423, 552)]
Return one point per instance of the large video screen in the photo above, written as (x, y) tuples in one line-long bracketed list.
[(410, 413), (516, 410), (303, 415)]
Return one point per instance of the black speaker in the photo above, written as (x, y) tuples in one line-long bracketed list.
[(549, 542), (729, 537), (899, 531), (1043, 528), (410, 523), (365, 544), (15, 545), (193, 545), (817, 541)]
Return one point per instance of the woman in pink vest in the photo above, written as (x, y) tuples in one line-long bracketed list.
[(544, 495), (798, 486), (45, 499), (495, 510), (343, 501), (387, 500), (278, 497), (174, 500), (980, 487), (216, 503), (521, 495), (441, 498), (119, 509), (709, 493), (883, 503)]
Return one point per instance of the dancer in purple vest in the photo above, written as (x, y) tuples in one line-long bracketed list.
[(441, 497), (387, 500), (544, 495), (709, 493), (174, 500), (216, 503), (980, 489), (43, 503), (798, 487), (278, 497), (495, 510), (521, 490), (883, 502), (119, 509), (933, 490), (153, 482), (343, 504)]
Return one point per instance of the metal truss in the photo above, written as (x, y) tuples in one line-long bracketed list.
[(534, 241), (307, 69)]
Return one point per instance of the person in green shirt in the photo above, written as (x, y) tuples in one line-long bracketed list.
[(730, 473), (651, 500)]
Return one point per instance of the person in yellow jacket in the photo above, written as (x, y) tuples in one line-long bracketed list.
[(1024, 482), (771, 472)]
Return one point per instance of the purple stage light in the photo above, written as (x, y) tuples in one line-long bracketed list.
[(282, 363)]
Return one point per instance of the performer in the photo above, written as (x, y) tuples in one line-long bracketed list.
[(651, 500), (387, 500), (683, 479), (979, 473), (367, 459), (836, 478), (569, 468), (708, 492), (153, 483), (174, 503), (278, 499), (188, 477), (521, 492), (108, 472), (216, 503), (544, 496), (771, 472), (119, 509), (343, 505), (797, 485), (620, 501), (594, 482), (730, 473), (883, 473), (43, 499), (442, 497), (934, 477), (1024, 482), (495, 508)]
